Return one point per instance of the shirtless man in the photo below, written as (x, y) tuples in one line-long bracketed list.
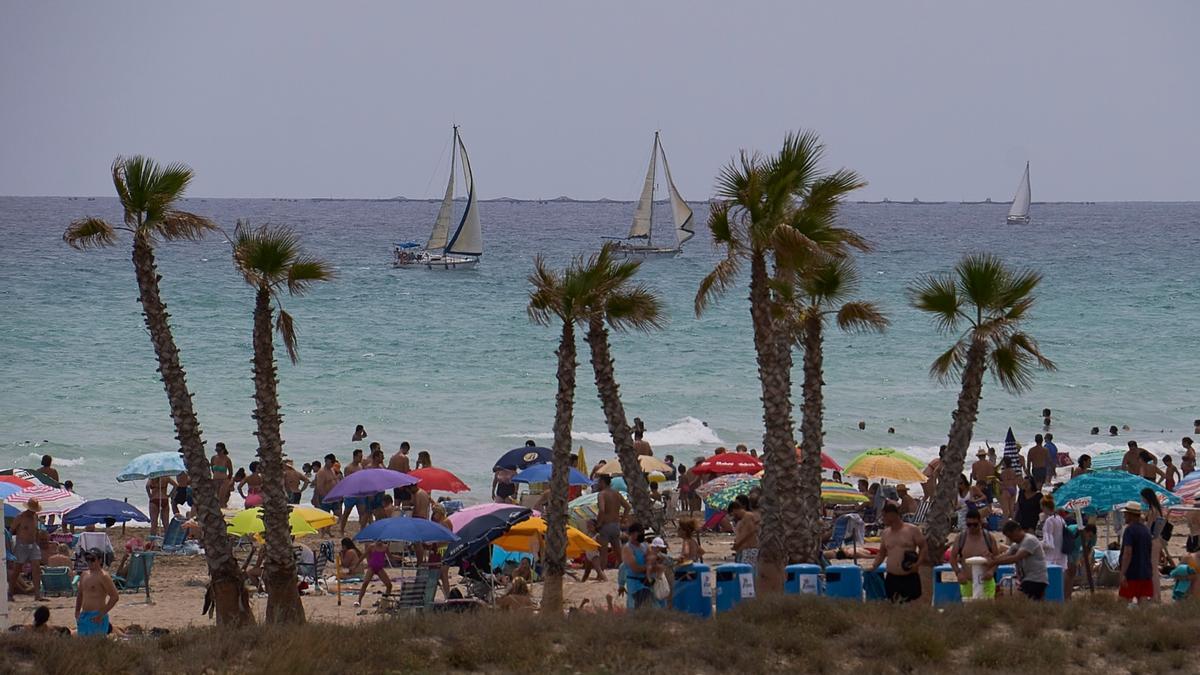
[(182, 496), (1038, 462), (974, 541), (421, 506), (47, 470), (292, 480), (902, 545), (745, 534), (222, 473), (359, 434), (399, 462), (354, 503), (982, 472), (1150, 470), (96, 598), (640, 444), (26, 549), (931, 471), (323, 484), (158, 489), (611, 507), (1131, 461)]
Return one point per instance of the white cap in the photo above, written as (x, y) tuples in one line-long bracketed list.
[(658, 543)]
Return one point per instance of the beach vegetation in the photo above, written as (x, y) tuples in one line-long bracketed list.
[(149, 194)]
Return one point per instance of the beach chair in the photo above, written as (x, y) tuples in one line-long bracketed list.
[(838, 538), (416, 593), (314, 571), (58, 581), (173, 538), (922, 513), (137, 577)]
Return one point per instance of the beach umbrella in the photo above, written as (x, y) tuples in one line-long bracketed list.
[(540, 473), (7, 489), (886, 464), (53, 501), (647, 463), (721, 499), (523, 457), (584, 508), (433, 478), (523, 537), (11, 511), (250, 521), (656, 477), (16, 481), (1188, 491), (1108, 461), (1012, 453), (827, 463), (840, 493), (729, 462), (581, 460), (33, 476), (98, 511), (1101, 491), (367, 482), (405, 528), (481, 531), (152, 465), (721, 482), (459, 519)]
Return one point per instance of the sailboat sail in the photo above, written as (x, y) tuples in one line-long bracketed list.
[(468, 238), (441, 226), (679, 208), (1020, 204), (644, 214)]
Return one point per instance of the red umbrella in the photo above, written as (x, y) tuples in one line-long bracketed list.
[(16, 480), (433, 478), (729, 462), (827, 462)]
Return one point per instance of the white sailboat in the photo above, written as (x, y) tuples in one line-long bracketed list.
[(639, 242), (1019, 213), (446, 249)]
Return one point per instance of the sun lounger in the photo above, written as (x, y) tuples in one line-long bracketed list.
[(416, 593), (58, 581), (922, 513)]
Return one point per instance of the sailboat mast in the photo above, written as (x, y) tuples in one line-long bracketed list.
[(653, 183)]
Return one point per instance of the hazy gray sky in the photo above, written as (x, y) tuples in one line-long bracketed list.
[(941, 100)]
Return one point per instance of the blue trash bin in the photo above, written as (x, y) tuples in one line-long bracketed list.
[(945, 586), (735, 583), (1054, 586), (844, 581), (693, 590), (803, 578)]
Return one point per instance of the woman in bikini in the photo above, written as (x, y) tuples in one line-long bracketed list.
[(377, 558), (158, 489), (253, 484), (222, 470)]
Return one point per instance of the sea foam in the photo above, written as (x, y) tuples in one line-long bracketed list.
[(687, 431)]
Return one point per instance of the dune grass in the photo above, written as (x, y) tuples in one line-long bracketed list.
[(787, 634)]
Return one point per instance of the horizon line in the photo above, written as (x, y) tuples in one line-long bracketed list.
[(916, 201)]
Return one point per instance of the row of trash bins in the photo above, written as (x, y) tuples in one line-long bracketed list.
[(735, 583)]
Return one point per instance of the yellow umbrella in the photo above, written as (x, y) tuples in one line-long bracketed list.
[(887, 467), (581, 462), (648, 464), (522, 536), (250, 522)]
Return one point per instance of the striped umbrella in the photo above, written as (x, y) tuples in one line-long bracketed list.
[(1188, 491), (889, 464), (840, 493), (53, 501), (584, 508), (32, 476), (721, 499), (1012, 453), (719, 483), (1108, 461), (16, 481)]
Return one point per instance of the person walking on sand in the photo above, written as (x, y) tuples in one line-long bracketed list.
[(901, 545), (222, 472), (1027, 554), (1170, 473), (96, 597), (974, 541), (1038, 462), (1137, 565), (25, 550), (377, 559), (1156, 520), (611, 507)]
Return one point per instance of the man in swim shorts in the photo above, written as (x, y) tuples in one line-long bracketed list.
[(611, 507), (902, 545), (972, 542), (96, 597)]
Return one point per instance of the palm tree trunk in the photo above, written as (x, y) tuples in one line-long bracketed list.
[(228, 588), (807, 540), (614, 414), (279, 564), (556, 507), (781, 478), (946, 491)]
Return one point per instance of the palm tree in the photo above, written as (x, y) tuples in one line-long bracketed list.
[(984, 303), (270, 261), (148, 194), (778, 214), (613, 302), (822, 292)]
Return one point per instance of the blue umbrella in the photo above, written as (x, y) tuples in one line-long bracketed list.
[(523, 457), (153, 465), (97, 511), (405, 528), (1102, 490), (11, 511), (482, 531), (540, 473), (1012, 454), (7, 489)]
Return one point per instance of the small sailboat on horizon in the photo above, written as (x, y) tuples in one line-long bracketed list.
[(639, 243), (1019, 213), (444, 250)]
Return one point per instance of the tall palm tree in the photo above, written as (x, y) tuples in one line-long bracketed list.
[(777, 214), (148, 194), (984, 303), (270, 261), (614, 302), (822, 293)]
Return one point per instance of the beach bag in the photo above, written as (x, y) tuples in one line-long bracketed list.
[(1067, 545), (662, 589)]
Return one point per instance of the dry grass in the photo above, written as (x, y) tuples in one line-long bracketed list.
[(789, 634)]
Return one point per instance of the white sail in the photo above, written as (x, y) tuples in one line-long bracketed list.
[(468, 238), (441, 226), (679, 208), (643, 217), (1020, 203)]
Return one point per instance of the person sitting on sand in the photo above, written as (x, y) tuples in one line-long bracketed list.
[(517, 597), (377, 560), (60, 558), (901, 545), (96, 597), (351, 559), (908, 505), (974, 541)]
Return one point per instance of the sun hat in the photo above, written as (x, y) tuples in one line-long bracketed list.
[(1131, 507), (33, 504), (658, 543), (981, 453)]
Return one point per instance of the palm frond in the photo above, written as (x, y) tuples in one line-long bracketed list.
[(721, 226), (545, 298), (1025, 343), (1020, 287), (717, 282), (88, 233), (306, 271), (1011, 368), (176, 225), (984, 281), (789, 173), (831, 281), (938, 296), (793, 249), (946, 366), (862, 317), (638, 309), (119, 184), (287, 331), (738, 180)]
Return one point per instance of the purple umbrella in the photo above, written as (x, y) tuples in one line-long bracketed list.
[(366, 482)]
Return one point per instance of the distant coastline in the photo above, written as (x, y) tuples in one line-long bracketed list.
[(606, 200)]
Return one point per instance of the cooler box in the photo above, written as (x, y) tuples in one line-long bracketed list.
[(693, 590), (1054, 585), (945, 586), (1003, 572), (844, 581), (803, 578), (735, 583)]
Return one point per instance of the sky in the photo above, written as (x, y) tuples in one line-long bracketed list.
[(936, 100)]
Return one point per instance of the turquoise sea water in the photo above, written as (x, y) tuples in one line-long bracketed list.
[(450, 362)]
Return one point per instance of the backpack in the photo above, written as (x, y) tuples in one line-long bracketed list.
[(1069, 537)]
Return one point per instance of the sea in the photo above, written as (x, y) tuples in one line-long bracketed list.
[(450, 362)]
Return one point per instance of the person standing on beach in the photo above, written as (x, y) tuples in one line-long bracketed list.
[(745, 533), (1170, 473), (641, 445), (1131, 461), (399, 462), (1187, 463), (96, 597), (222, 472), (1038, 462), (983, 472), (1027, 554), (972, 542), (901, 545), (47, 470), (1054, 529), (1052, 450), (931, 471), (1156, 521), (292, 480), (1137, 565), (182, 494), (611, 507), (421, 508), (158, 491), (25, 550), (323, 484)]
